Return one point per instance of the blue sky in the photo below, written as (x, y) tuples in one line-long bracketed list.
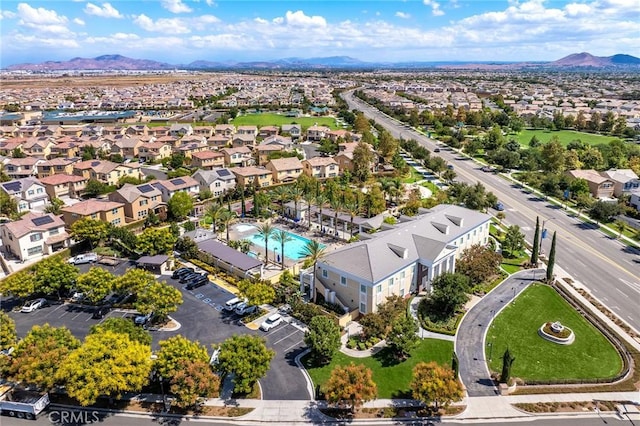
[(181, 31)]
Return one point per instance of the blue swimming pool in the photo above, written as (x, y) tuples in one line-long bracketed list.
[(292, 249)]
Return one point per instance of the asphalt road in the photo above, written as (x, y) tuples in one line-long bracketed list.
[(470, 339), (604, 265)]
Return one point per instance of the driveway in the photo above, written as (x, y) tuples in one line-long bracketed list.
[(470, 339)]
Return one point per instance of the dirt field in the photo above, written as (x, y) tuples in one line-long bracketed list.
[(96, 81)]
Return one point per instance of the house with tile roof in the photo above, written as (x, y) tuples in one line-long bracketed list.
[(599, 186), (33, 236), (64, 185), (140, 200), (169, 187), (397, 260), (625, 181), (285, 169), (207, 160), (28, 193), (321, 167), (105, 210), (249, 176), (219, 181)]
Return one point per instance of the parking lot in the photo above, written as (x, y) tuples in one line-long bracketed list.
[(202, 318)]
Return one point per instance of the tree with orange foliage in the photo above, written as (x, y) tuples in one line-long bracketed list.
[(351, 384), (433, 383)]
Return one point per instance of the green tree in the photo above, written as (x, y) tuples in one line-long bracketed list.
[(38, 356), (227, 217), (176, 161), (535, 250), (154, 241), (96, 284), (176, 349), (449, 293), (552, 154), (313, 251), (603, 211), (133, 281), (8, 205), (179, 205), (188, 247), (507, 362), (265, 231), (93, 230), (54, 275), (55, 206), (160, 298), (435, 384), (257, 292), (352, 384), (192, 381), (479, 263), (620, 226), (323, 338), (123, 326), (403, 337), (247, 357), (363, 158), (95, 187), (7, 331), (374, 201), (387, 145), (19, 284), (513, 241), (552, 258), (108, 364), (281, 236)]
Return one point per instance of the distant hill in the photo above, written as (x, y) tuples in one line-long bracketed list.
[(119, 62), (585, 59)]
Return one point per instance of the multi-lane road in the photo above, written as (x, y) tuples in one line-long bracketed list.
[(604, 265)]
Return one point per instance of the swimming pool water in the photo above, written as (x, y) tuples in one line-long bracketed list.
[(292, 249)]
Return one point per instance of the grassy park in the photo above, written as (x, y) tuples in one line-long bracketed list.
[(591, 356), (564, 136), (270, 119), (392, 378)]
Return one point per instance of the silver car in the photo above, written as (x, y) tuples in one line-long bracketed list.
[(33, 305)]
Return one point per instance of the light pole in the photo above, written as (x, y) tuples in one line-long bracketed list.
[(543, 233), (490, 344)]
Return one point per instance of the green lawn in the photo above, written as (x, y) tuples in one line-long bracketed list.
[(392, 379), (513, 265), (565, 136), (590, 356), (269, 119)]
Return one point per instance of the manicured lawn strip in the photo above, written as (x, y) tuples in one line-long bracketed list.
[(513, 265), (278, 120), (392, 379), (590, 356), (564, 136)]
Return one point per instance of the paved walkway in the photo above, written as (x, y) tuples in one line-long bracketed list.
[(470, 339)]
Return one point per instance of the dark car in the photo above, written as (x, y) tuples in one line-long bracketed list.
[(198, 282), (180, 272), (436, 150), (499, 206), (188, 277), (101, 312)]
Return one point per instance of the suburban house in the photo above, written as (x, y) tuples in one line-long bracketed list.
[(398, 260), (64, 185), (285, 169), (294, 130), (29, 193), (180, 130), (262, 153), (154, 151), (252, 176), (599, 186), (316, 133), (634, 199), (39, 147), (625, 181), (248, 130), (237, 156), (218, 181), (104, 210), (219, 141), (284, 142), (55, 166), (320, 167), (7, 146), (170, 187), (266, 131), (139, 200), (127, 148), (106, 171), (67, 149), (243, 139), (207, 160), (17, 168), (33, 235), (343, 135), (190, 148)]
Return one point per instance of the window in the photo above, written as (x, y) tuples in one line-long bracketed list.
[(343, 280), (144, 202), (115, 221), (54, 231), (114, 211), (94, 216), (217, 185), (325, 273), (390, 282), (379, 288), (36, 237), (363, 288), (403, 275), (39, 191), (34, 250), (30, 192), (363, 307)]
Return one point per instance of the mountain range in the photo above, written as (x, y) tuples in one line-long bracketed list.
[(119, 62)]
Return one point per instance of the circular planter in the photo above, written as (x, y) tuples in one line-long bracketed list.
[(557, 333)]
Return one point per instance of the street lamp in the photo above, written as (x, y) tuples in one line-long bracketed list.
[(543, 232), (490, 344)]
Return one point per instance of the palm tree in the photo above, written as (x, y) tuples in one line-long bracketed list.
[(213, 211), (296, 195), (351, 208), (336, 205), (386, 184), (321, 200), (309, 197), (314, 251), (281, 194), (265, 231), (282, 237), (226, 217)]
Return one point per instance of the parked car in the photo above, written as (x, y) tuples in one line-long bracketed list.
[(101, 312), (143, 319), (487, 169), (436, 150), (77, 297), (33, 305), (245, 309), (197, 282), (180, 272), (231, 304), (83, 258), (188, 277), (499, 206), (271, 322)]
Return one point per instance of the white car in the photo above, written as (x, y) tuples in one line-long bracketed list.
[(142, 319), (33, 305), (84, 258), (245, 309), (271, 322)]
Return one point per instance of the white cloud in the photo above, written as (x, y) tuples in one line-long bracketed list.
[(299, 19), (7, 14), (106, 11), (176, 6), (403, 15), (30, 15), (78, 21), (176, 25), (435, 7), (210, 3), (260, 21)]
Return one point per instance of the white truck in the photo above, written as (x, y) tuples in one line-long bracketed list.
[(22, 404), (84, 258)]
